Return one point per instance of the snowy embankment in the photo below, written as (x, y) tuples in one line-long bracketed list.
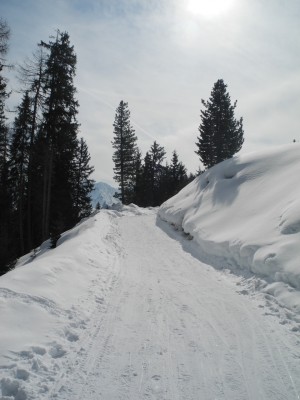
[(45, 305), (124, 309), (244, 214)]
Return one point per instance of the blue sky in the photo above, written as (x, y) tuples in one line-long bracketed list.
[(163, 57)]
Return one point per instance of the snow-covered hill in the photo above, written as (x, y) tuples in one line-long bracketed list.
[(244, 213), (126, 308), (104, 194)]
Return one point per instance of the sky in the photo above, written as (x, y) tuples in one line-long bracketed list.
[(163, 57)]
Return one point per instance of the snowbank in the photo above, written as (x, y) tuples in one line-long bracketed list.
[(44, 305), (244, 213), (48, 304)]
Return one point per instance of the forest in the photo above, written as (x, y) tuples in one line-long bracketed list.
[(45, 166)]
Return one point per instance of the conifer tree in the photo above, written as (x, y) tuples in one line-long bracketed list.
[(4, 36), (138, 175), (125, 147), (221, 135), (178, 174), (32, 77), (157, 154), (6, 212), (83, 184), (146, 192), (58, 136), (19, 160)]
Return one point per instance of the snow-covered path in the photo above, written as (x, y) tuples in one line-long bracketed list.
[(123, 310), (174, 328)]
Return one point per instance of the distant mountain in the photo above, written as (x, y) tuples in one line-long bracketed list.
[(104, 194)]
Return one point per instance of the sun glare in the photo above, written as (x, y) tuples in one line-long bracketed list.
[(209, 8)]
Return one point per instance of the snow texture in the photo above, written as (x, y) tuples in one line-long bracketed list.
[(125, 307), (244, 215)]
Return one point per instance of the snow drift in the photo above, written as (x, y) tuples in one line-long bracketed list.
[(244, 213)]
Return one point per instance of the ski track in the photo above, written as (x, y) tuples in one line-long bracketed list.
[(169, 327)]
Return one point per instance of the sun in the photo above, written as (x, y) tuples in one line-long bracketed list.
[(209, 8)]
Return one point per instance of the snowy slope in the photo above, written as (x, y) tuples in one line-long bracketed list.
[(124, 309), (244, 213), (104, 194)]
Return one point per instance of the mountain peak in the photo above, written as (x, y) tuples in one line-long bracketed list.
[(103, 193)]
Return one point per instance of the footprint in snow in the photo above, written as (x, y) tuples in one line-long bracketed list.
[(57, 351)]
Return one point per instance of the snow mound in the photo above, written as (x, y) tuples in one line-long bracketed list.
[(244, 214)]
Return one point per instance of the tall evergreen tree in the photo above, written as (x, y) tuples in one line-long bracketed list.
[(178, 174), (58, 135), (19, 160), (152, 177), (4, 36), (157, 154), (83, 184), (32, 77), (145, 190), (138, 175), (125, 147), (6, 211), (221, 135)]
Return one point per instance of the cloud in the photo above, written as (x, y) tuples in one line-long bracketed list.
[(162, 60)]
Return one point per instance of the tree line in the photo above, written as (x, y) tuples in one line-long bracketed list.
[(44, 165), (149, 182)]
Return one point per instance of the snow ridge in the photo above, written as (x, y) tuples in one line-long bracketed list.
[(244, 215)]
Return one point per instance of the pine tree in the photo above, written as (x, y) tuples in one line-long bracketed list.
[(138, 175), (58, 136), (4, 36), (146, 192), (6, 213), (83, 185), (157, 154), (221, 135), (178, 175), (19, 161), (125, 147), (32, 77)]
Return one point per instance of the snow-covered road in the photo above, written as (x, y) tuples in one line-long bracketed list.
[(175, 328), (162, 325)]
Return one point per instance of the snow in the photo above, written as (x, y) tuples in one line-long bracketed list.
[(127, 307), (244, 214)]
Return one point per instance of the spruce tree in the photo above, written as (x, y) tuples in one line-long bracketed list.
[(32, 77), (125, 147), (19, 161), (221, 135), (138, 175), (157, 154), (178, 175), (7, 249), (83, 184), (58, 136), (146, 192)]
